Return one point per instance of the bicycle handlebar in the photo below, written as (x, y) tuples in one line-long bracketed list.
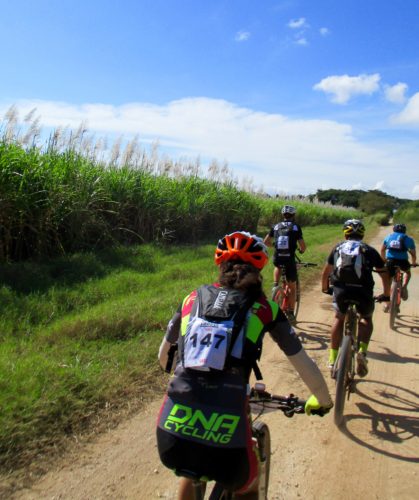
[(306, 264), (262, 401)]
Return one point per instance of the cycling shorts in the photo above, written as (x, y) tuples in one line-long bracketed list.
[(235, 468), (289, 264), (343, 294), (392, 263)]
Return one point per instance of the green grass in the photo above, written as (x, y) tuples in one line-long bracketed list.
[(82, 333)]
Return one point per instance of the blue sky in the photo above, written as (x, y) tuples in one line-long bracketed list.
[(297, 95)]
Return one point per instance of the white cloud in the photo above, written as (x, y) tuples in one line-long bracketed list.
[(301, 41), (273, 149), (242, 36), (344, 87), (396, 93), (324, 31), (415, 191), (297, 23), (410, 114)]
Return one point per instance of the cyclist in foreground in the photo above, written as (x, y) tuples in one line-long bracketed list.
[(203, 426), (349, 270), (395, 251), (287, 237)]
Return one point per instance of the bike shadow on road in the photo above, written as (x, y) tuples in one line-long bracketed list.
[(389, 395), (389, 356), (407, 325), (385, 427), (314, 336)]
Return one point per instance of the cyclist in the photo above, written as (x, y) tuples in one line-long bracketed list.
[(288, 237), (395, 251), (203, 425), (349, 269)]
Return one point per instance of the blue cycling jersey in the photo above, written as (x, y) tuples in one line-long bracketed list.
[(397, 245)]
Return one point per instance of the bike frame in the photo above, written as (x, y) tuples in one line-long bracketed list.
[(282, 294), (344, 368)]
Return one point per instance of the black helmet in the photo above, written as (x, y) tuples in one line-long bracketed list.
[(354, 227), (399, 228)]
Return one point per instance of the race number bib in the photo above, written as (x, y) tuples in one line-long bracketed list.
[(395, 244), (206, 344), (282, 243)]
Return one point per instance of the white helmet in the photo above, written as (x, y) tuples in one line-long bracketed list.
[(288, 209)]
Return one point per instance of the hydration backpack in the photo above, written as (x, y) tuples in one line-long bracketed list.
[(212, 328), (285, 242), (350, 263)]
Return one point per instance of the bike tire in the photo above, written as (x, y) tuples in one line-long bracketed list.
[(342, 371), (263, 436), (394, 304)]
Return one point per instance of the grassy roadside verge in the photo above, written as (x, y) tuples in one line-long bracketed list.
[(79, 335)]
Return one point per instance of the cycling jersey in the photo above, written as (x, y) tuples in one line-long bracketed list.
[(397, 246), (203, 424)]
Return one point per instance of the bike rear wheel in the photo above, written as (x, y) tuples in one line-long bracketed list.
[(394, 303), (343, 365), (263, 436)]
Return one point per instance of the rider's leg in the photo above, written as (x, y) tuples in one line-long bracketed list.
[(407, 276), (364, 333), (293, 294), (186, 489), (277, 274), (336, 336)]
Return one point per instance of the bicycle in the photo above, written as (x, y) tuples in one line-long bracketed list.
[(260, 401), (281, 294), (343, 370), (396, 294)]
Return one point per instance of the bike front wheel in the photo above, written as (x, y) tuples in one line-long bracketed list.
[(263, 437), (343, 366)]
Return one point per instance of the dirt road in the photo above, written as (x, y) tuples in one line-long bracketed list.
[(376, 456)]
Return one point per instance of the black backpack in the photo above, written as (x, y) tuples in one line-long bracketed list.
[(350, 263), (285, 239)]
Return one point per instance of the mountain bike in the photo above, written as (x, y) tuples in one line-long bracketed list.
[(260, 402), (396, 294), (343, 370), (281, 294)]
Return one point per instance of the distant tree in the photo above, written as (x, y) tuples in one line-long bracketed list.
[(376, 201)]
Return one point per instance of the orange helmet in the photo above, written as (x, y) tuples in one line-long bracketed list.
[(242, 246)]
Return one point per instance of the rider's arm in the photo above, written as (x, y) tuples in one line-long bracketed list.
[(312, 377), (302, 246), (327, 271), (284, 335), (268, 240), (412, 252), (170, 339)]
